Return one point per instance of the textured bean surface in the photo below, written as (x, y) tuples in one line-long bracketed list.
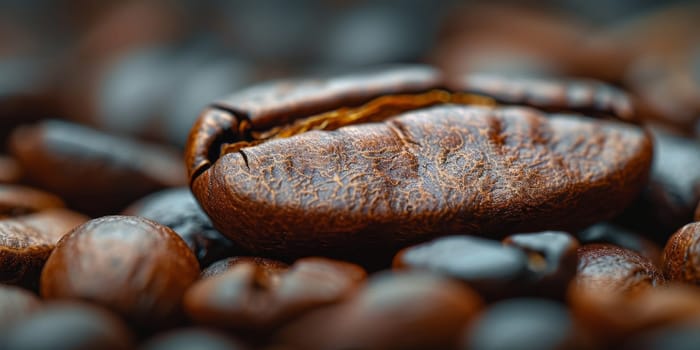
[(610, 269)]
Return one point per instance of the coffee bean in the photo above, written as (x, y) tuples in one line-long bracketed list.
[(492, 269), (16, 200), (615, 234), (393, 311), (193, 338), (267, 266), (680, 257), (69, 326), (16, 304), (259, 297), (177, 209), (10, 171), (536, 324), (552, 260), (53, 223), (23, 251), (415, 172), (606, 268), (96, 173), (131, 265)]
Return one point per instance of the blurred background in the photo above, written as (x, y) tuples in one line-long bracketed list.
[(146, 68)]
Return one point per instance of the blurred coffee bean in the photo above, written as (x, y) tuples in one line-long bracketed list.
[(177, 209), (260, 297), (552, 260), (131, 265), (16, 200), (68, 326), (16, 304), (53, 223), (192, 338), (536, 324), (617, 235), (673, 191), (267, 266), (23, 251), (393, 311), (96, 173), (492, 269), (681, 258), (10, 171), (612, 318), (605, 268), (676, 337)]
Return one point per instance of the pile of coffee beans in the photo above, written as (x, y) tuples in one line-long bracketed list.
[(529, 185)]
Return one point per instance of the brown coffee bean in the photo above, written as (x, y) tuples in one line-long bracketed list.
[(10, 171), (96, 173), (552, 260), (613, 318), (53, 223), (193, 338), (258, 297), (177, 209), (69, 326), (16, 304), (535, 324), (267, 266), (617, 235), (23, 251), (416, 172), (492, 269), (18, 200), (132, 265), (604, 268), (680, 258), (393, 311)]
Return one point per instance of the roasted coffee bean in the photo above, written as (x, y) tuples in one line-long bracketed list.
[(193, 338), (604, 268), (131, 265), (69, 326), (494, 270), (416, 172), (95, 173), (669, 199), (177, 209), (53, 223), (552, 260), (267, 266), (536, 324), (259, 297), (611, 318), (681, 255), (393, 311), (23, 251), (16, 304), (617, 235), (18, 200), (10, 171)]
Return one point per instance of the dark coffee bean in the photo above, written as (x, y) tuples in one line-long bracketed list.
[(552, 260), (612, 318), (134, 266), (267, 266), (10, 171), (535, 324), (416, 172), (23, 251), (16, 304), (681, 255), (18, 200), (617, 235), (193, 338), (492, 269), (177, 209), (71, 327), (606, 268), (394, 311), (96, 173), (258, 297)]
